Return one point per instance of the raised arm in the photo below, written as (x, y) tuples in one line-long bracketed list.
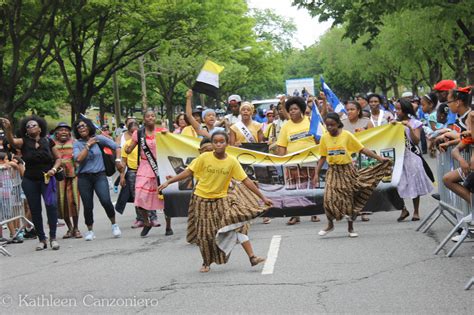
[(14, 142), (189, 111), (286, 116)]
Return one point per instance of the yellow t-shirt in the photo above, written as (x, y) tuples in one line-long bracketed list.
[(215, 175), (338, 150), (295, 137), (189, 131), (132, 158), (253, 128)]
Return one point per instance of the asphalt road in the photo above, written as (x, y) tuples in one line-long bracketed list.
[(389, 268)]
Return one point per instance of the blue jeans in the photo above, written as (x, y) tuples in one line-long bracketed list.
[(88, 183), (33, 190)]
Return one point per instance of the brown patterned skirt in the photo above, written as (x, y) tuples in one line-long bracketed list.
[(213, 223), (348, 190)]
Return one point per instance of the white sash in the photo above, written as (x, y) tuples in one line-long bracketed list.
[(379, 119), (245, 131)]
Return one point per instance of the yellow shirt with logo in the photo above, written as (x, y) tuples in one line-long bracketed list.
[(338, 150), (189, 131), (253, 128), (132, 158), (215, 174), (294, 136)]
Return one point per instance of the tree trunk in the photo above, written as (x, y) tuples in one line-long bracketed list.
[(101, 109), (394, 83), (141, 62), (469, 56), (117, 109)]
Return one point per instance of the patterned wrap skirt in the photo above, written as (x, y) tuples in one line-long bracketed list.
[(213, 224), (68, 198), (348, 190)]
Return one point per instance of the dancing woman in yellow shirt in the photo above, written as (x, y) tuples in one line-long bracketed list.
[(220, 219), (347, 189)]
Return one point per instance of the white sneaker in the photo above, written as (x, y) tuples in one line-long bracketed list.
[(89, 236), (353, 234), (457, 238), (324, 232), (116, 231)]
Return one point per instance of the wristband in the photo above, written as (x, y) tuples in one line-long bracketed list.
[(118, 160)]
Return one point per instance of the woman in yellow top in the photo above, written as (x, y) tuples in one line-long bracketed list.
[(247, 130), (220, 219), (347, 189), (294, 135)]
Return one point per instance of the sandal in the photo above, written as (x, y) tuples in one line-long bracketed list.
[(41, 246), (364, 218), (77, 234), (315, 218), (266, 220), (405, 214), (205, 268), (67, 235), (255, 260), (293, 221), (415, 219)]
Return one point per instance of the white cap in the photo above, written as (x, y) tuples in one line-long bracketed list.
[(234, 97), (407, 94)]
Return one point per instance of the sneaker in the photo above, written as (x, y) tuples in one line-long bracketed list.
[(89, 236), (31, 234), (116, 231), (353, 234), (116, 189), (137, 224), (146, 229), (155, 223), (457, 238), (20, 235)]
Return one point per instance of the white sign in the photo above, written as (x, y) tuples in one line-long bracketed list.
[(300, 87)]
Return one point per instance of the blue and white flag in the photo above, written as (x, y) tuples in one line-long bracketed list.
[(337, 106), (315, 125)]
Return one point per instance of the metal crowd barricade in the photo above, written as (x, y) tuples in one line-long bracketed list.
[(451, 202), (11, 201), (451, 206)]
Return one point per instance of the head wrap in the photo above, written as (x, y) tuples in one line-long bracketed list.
[(207, 111), (248, 105)]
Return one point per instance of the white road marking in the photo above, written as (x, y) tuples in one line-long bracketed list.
[(272, 255)]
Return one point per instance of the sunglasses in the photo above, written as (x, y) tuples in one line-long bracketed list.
[(81, 126), (29, 126)]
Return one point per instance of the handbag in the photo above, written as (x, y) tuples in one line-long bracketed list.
[(108, 155)]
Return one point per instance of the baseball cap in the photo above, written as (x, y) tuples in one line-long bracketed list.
[(63, 125), (444, 85), (235, 98)]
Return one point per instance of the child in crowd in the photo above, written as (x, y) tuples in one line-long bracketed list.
[(465, 173), (220, 219), (347, 190)]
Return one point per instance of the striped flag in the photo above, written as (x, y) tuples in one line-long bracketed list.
[(315, 125), (337, 106), (207, 81)]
